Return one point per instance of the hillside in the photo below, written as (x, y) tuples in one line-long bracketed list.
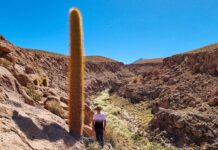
[(207, 48), (99, 59), (167, 105), (33, 96), (29, 120)]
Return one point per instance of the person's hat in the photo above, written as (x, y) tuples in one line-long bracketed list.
[(98, 108)]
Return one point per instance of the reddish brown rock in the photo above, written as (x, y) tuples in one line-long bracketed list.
[(215, 91), (7, 80), (213, 101), (88, 115), (29, 70), (5, 46), (166, 78), (179, 123), (64, 100), (23, 79), (88, 131)]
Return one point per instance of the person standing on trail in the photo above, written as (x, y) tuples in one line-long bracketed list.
[(99, 124)]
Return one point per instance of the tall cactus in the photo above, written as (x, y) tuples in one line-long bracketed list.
[(76, 75)]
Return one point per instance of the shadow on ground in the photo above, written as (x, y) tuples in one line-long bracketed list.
[(52, 132)]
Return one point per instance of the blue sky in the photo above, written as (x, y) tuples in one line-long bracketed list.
[(121, 29)]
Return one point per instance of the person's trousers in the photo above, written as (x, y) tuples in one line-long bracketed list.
[(100, 136)]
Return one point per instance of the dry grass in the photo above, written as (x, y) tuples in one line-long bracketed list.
[(99, 59), (94, 146), (43, 52), (205, 48), (5, 63), (135, 80), (38, 69), (41, 81), (34, 94), (55, 107)]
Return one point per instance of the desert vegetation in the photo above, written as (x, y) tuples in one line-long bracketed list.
[(126, 127), (33, 92), (54, 106), (5, 63)]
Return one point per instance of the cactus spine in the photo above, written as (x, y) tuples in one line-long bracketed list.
[(76, 75)]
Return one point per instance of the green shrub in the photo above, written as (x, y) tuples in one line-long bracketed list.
[(136, 137), (115, 111)]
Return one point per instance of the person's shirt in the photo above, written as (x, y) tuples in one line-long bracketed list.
[(99, 120), (99, 117)]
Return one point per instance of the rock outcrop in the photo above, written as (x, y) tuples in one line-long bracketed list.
[(201, 61)]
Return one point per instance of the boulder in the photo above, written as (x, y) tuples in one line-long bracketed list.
[(88, 115), (64, 100), (29, 70), (166, 78), (179, 123), (182, 128), (215, 91), (88, 131), (5, 47), (7, 80), (23, 79), (172, 81), (164, 103), (213, 101)]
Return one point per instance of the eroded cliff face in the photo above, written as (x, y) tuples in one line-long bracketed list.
[(204, 60), (186, 111), (182, 92), (183, 97)]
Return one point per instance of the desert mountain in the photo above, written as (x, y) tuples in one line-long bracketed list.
[(138, 60), (170, 104), (147, 61)]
